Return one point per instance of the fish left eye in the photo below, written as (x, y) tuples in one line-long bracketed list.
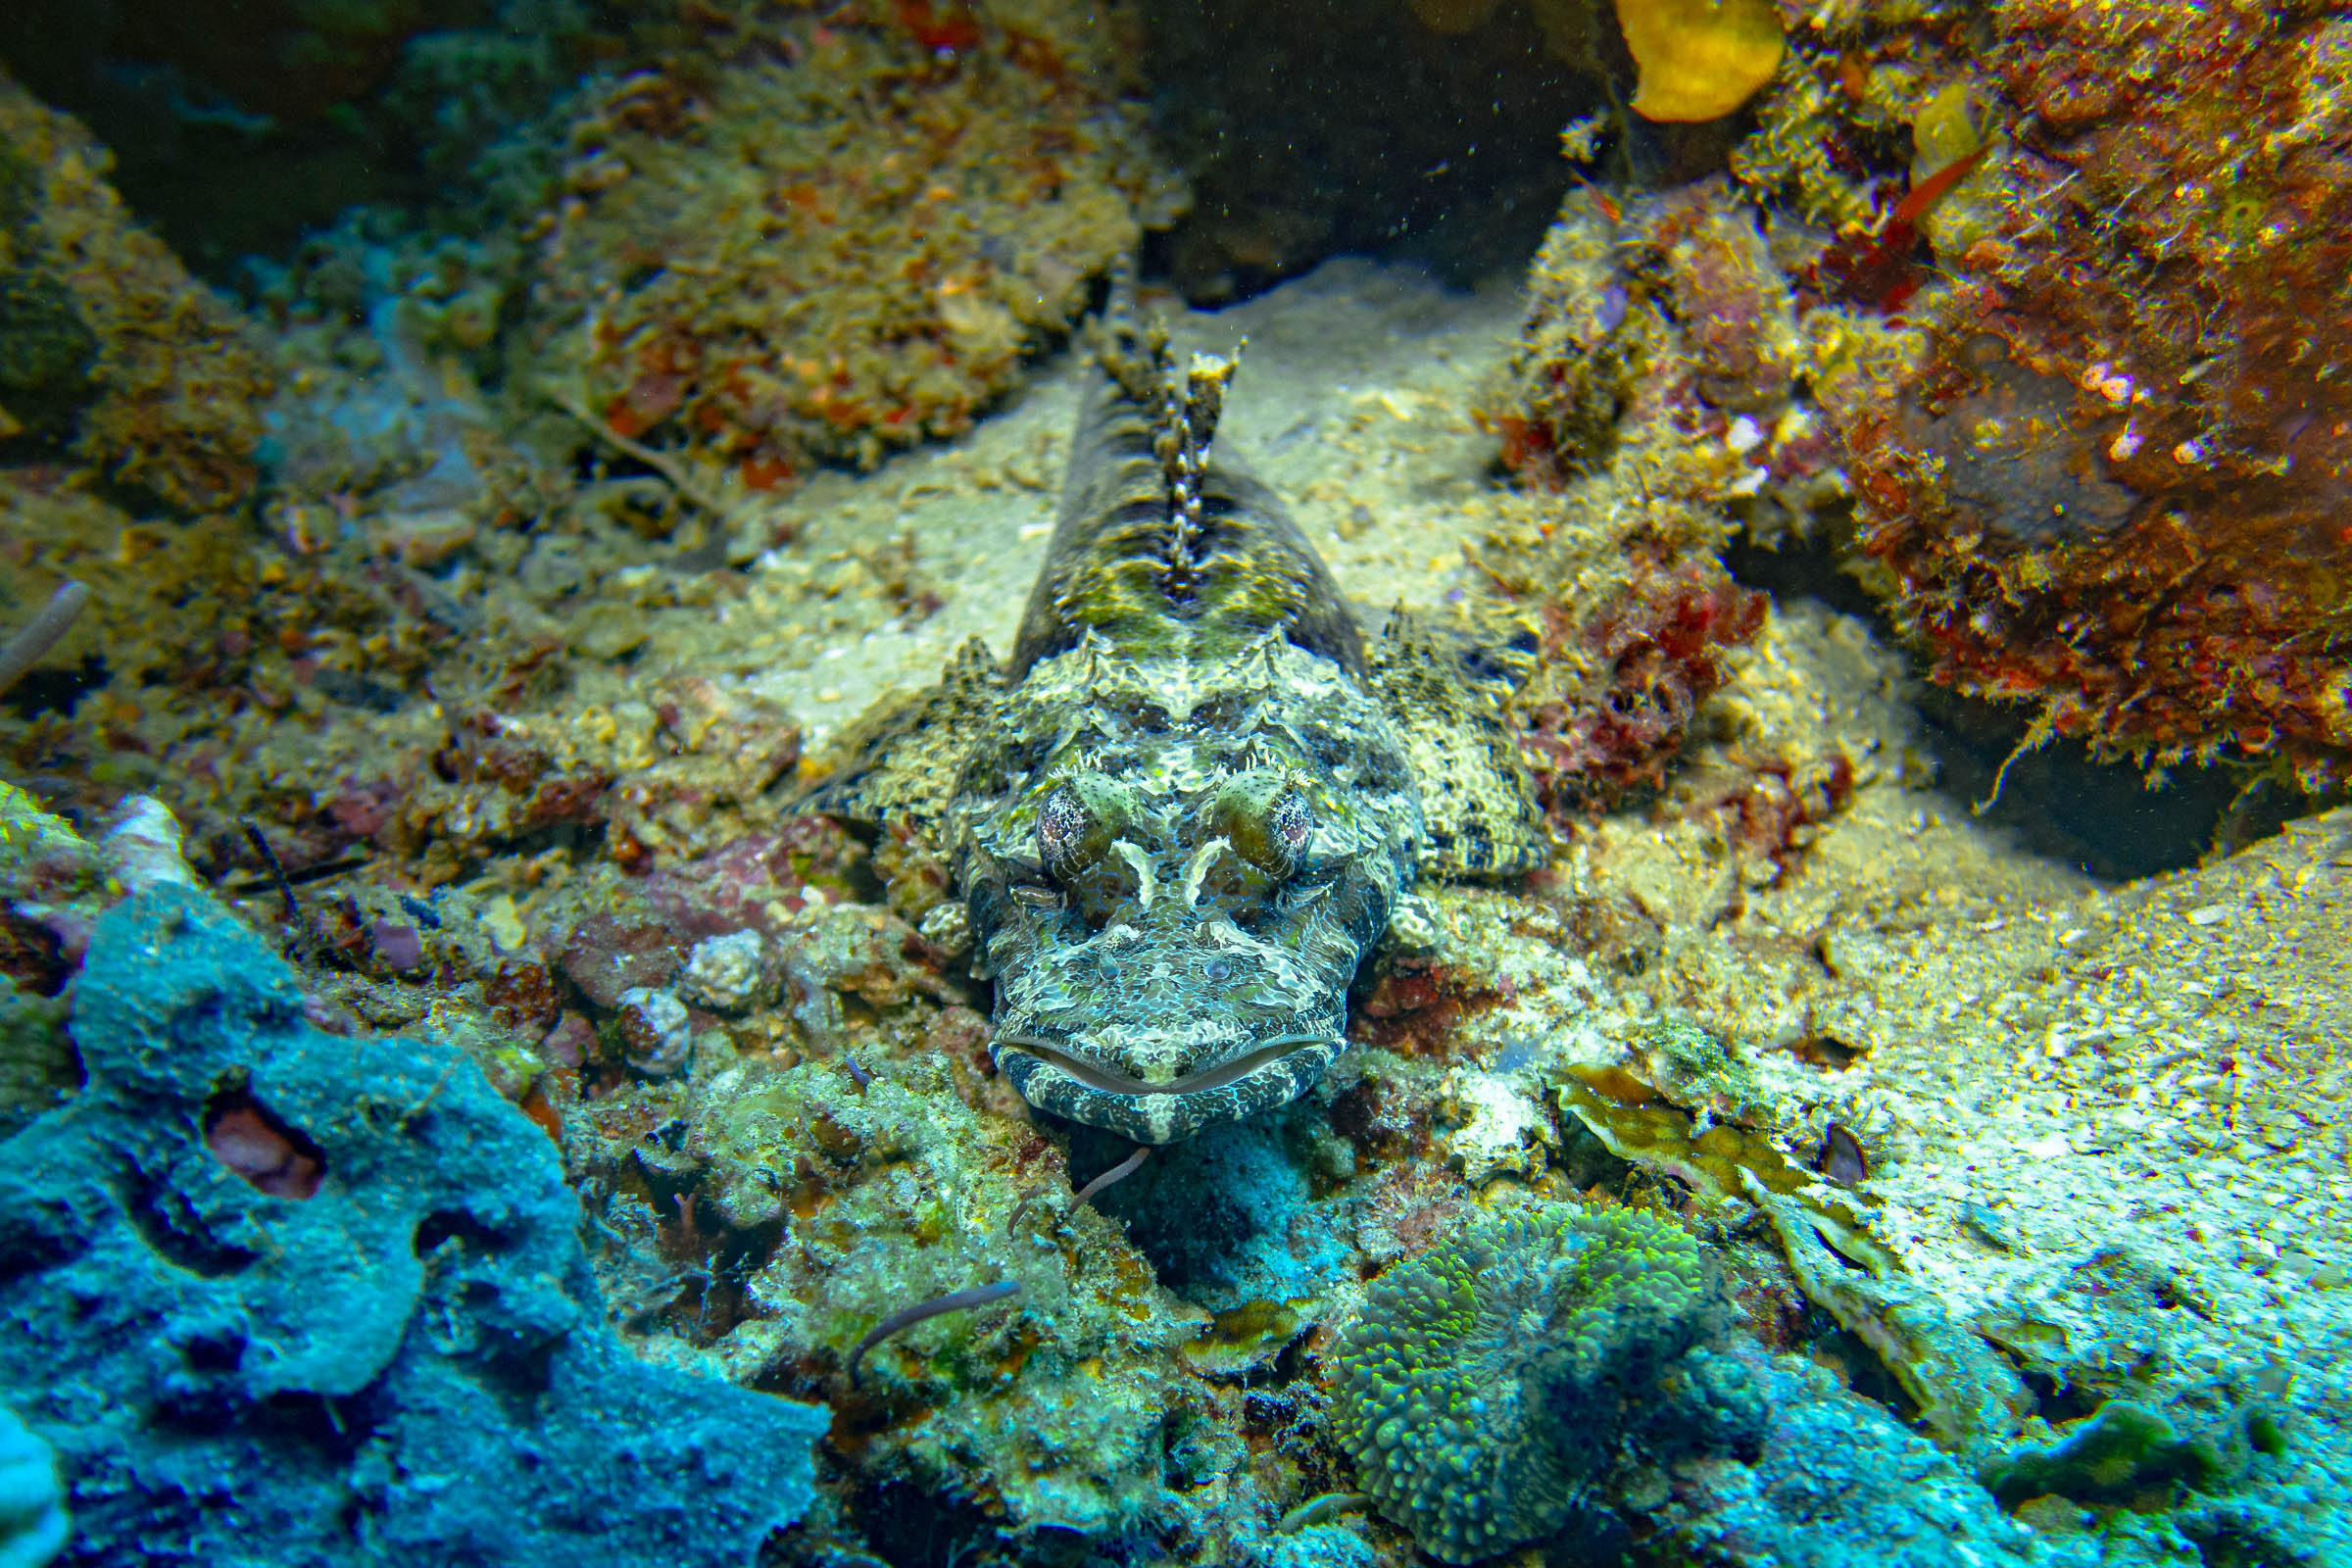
[(1270, 833), (1289, 824)]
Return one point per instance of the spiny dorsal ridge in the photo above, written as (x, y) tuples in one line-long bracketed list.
[(1186, 420)]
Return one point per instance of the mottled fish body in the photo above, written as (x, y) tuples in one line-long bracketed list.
[(1183, 812)]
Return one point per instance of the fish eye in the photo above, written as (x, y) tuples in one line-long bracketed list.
[(1267, 822), (1288, 825), (1077, 824), (1061, 828)]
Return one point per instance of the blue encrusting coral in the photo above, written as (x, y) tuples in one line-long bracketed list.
[(279, 1296)]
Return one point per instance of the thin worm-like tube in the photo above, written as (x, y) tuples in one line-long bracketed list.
[(40, 634), (1117, 1173), (909, 1317)]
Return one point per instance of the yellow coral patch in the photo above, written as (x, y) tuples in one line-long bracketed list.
[(1699, 59)]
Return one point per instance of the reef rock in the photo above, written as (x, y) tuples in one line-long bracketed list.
[(2112, 480), (326, 1293), (106, 344)]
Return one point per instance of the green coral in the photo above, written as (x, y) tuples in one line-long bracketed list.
[(1485, 1390), (2127, 1451)]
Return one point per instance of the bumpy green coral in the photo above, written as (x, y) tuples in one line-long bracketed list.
[(1487, 1383)]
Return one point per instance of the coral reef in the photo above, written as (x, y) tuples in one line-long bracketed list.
[(493, 723), (107, 347), (779, 1206), (1666, 320), (2105, 473), (1652, 406), (1836, 1480), (842, 251), (1559, 1367), (323, 1289)]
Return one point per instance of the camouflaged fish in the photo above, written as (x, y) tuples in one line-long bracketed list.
[(1183, 813)]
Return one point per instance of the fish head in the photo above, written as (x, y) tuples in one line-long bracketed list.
[(1174, 930)]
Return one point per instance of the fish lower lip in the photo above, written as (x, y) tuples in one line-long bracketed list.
[(1113, 1083)]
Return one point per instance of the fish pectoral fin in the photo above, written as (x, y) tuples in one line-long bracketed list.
[(1445, 689), (902, 762)]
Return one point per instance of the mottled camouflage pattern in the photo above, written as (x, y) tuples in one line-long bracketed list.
[(1185, 811)]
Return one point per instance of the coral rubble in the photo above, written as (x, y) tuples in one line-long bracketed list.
[(845, 239), (329, 1291)]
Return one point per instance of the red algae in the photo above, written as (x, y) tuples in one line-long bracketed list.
[(2114, 485)]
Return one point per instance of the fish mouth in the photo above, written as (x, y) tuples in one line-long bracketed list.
[(1055, 1055)]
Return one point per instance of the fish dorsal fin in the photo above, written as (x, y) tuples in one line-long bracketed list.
[(1183, 409)]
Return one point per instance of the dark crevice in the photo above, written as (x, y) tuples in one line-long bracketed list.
[(2103, 817), (1864, 1372), (907, 1525), (56, 688), (445, 1225), (2056, 1401), (170, 1225)]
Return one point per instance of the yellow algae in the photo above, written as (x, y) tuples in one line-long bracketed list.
[(1242, 1338), (1944, 132), (504, 925), (1699, 59)]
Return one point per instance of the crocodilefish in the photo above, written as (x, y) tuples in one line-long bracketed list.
[(1184, 811)]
